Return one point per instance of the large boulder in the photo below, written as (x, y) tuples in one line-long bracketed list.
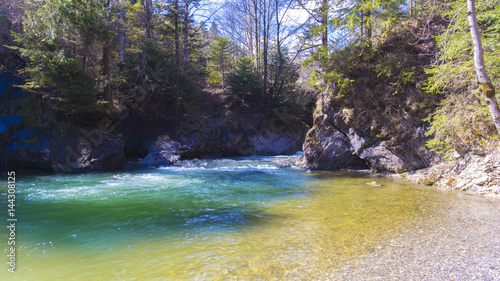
[(162, 151), (327, 148), (337, 141)]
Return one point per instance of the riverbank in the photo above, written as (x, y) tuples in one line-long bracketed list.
[(475, 173)]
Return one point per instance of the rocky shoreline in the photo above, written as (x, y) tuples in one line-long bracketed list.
[(116, 145), (475, 173), (332, 144)]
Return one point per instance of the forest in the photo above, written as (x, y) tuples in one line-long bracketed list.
[(124, 69)]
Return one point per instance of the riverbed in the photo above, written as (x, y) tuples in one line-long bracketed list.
[(247, 219)]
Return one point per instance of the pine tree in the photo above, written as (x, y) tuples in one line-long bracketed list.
[(220, 57), (243, 80)]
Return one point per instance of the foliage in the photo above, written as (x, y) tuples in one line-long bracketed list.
[(355, 21), (219, 61), (77, 49), (166, 88), (368, 17), (284, 73), (57, 34), (379, 89), (243, 81), (462, 122)]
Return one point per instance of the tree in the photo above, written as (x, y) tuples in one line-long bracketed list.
[(220, 57), (147, 27), (243, 80), (483, 78), (108, 95), (254, 25), (187, 14), (59, 41), (284, 72), (463, 120)]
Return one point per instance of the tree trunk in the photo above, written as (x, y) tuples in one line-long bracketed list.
[(122, 37), (482, 76), (369, 27), (264, 53), (280, 55), (147, 13), (108, 96), (177, 54), (186, 30), (105, 72), (324, 23), (256, 20), (147, 16)]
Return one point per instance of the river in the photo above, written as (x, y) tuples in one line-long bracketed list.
[(220, 219)]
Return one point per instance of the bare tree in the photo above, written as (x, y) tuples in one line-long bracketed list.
[(482, 76), (186, 17), (108, 94), (177, 54)]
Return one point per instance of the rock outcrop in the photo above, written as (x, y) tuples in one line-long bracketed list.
[(337, 141), (372, 106), (476, 173), (67, 151), (234, 139), (163, 151)]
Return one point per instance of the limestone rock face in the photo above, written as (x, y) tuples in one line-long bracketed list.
[(234, 139), (338, 141)]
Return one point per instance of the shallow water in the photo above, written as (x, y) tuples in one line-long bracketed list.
[(239, 218)]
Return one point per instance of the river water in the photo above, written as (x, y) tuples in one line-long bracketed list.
[(230, 219)]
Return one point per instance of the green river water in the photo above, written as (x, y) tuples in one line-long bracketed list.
[(230, 219)]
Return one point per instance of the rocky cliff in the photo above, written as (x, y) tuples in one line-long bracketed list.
[(105, 145), (372, 116), (65, 150), (216, 138), (337, 141)]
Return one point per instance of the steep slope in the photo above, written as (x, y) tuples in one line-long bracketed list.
[(372, 116)]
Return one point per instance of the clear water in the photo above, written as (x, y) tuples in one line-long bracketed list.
[(240, 218)]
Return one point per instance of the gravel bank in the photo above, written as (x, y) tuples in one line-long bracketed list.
[(462, 245)]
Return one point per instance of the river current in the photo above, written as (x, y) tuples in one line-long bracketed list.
[(230, 219)]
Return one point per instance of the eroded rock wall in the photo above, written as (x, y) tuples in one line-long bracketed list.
[(338, 141)]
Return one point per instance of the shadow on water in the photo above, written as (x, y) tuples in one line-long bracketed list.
[(100, 226)]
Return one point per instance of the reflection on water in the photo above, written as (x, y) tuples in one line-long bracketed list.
[(239, 218)]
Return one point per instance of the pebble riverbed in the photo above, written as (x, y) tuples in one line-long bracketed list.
[(464, 245)]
